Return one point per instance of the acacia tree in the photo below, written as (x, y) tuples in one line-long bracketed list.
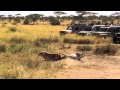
[(41, 16), (2, 18), (17, 18), (33, 18), (81, 14), (10, 17), (58, 14), (116, 15), (91, 15)]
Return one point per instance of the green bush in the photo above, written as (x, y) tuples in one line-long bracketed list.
[(2, 48), (76, 41), (15, 48), (26, 22), (14, 23), (43, 41), (84, 48), (106, 49), (54, 21), (17, 40), (12, 29), (38, 43)]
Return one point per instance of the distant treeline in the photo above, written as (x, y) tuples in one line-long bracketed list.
[(59, 17)]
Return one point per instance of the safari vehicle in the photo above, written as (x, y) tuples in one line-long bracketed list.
[(67, 31), (116, 37), (96, 28), (75, 28), (86, 31), (115, 33), (103, 32)]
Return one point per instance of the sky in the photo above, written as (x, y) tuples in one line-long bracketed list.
[(49, 13)]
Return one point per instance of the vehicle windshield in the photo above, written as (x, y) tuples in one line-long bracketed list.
[(96, 28), (88, 28), (103, 30), (118, 30), (118, 35)]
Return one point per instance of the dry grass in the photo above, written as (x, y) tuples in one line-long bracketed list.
[(14, 66), (106, 49), (77, 39), (20, 45), (19, 54), (84, 48)]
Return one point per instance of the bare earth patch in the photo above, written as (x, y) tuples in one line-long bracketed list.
[(92, 67)]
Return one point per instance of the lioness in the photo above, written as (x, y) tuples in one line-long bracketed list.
[(50, 56)]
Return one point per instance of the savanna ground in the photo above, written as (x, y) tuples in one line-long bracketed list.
[(20, 45)]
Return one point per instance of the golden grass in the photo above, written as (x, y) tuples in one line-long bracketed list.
[(14, 66), (31, 32), (21, 60), (20, 57)]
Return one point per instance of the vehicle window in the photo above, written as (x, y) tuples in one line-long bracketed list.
[(98, 28), (118, 30), (88, 28), (118, 35), (103, 29), (76, 28), (110, 29)]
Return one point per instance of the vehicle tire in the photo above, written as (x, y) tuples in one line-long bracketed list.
[(62, 33), (105, 37), (114, 40)]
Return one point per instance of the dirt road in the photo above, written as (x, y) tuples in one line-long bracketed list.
[(92, 67)]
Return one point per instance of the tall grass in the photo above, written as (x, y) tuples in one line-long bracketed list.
[(2, 48), (46, 33), (106, 49), (79, 39), (15, 66), (19, 48), (84, 48)]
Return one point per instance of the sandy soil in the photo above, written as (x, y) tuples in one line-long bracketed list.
[(92, 67)]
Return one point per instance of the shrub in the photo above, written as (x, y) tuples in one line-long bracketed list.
[(54, 21), (77, 41), (2, 48), (106, 49), (26, 22), (29, 63), (49, 40), (14, 23), (84, 48), (12, 29), (39, 43), (15, 48), (17, 40), (43, 41)]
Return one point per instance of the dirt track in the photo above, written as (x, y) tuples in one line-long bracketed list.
[(92, 67)]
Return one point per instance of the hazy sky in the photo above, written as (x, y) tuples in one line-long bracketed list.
[(48, 13)]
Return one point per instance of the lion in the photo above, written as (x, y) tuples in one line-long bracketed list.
[(51, 56)]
